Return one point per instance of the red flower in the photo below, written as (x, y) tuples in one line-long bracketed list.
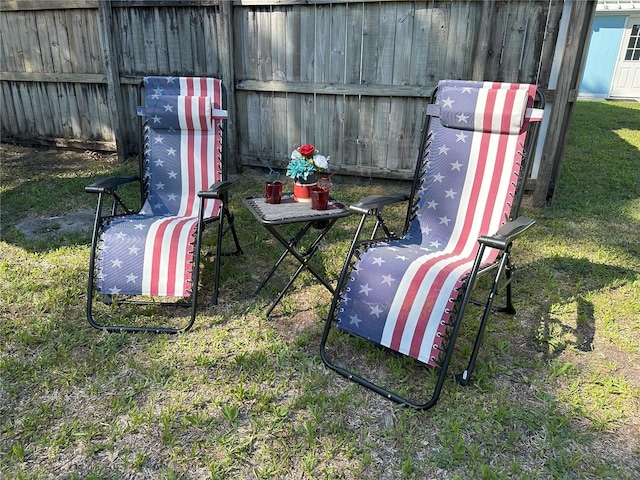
[(307, 150)]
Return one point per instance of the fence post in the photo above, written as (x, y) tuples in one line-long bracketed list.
[(568, 79), (227, 72), (114, 94)]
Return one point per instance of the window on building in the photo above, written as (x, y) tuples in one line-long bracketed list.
[(633, 48)]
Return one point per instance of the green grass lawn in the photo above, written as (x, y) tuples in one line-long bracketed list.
[(556, 392)]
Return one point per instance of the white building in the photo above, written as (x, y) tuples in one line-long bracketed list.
[(612, 67)]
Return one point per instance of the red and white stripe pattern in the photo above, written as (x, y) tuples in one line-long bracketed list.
[(429, 285), (169, 248), (202, 145), (427, 279), (151, 253)]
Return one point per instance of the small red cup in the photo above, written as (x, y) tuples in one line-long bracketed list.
[(272, 192), (319, 198)]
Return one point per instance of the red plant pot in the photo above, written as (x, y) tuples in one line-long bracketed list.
[(302, 192)]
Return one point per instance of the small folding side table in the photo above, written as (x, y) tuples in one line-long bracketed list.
[(291, 212)]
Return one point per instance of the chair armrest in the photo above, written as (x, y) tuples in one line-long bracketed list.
[(108, 185), (219, 188), (376, 202), (507, 233)]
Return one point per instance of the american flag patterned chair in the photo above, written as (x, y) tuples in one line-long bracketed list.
[(409, 293), (137, 257)]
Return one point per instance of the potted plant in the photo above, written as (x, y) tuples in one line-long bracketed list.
[(304, 166)]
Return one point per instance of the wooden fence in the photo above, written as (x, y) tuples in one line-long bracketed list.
[(352, 76)]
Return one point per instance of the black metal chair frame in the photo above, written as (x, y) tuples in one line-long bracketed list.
[(371, 210), (108, 188)]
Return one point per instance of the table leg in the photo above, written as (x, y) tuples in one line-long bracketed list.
[(289, 245), (303, 258)]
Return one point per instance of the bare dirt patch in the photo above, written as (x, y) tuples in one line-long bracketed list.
[(43, 227)]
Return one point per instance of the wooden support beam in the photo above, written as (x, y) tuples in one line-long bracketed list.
[(335, 89), (18, 5), (53, 77), (561, 112), (227, 74), (114, 94)]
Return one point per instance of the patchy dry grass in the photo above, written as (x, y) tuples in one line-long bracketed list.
[(556, 393)]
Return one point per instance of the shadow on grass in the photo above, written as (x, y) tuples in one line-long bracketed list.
[(43, 197), (590, 234), (601, 166), (566, 317)]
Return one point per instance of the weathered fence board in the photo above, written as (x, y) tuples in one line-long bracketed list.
[(351, 76)]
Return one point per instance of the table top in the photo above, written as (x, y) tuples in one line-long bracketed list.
[(290, 211)]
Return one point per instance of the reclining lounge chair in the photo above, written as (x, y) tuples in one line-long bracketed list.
[(137, 257), (409, 293)]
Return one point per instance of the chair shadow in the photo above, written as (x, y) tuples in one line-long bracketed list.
[(597, 188), (568, 320)]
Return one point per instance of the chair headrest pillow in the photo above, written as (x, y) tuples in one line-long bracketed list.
[(493, 110), (180, 112)]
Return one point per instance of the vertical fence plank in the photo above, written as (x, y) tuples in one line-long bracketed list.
[(19, 107), (353, 42), (420, 55), (399, 115), (337, 44), (386, 44), (243, 26), (8, 115), (307, 44), (31, 45), (335, 136), (459, 38), (43, 22), (293, 62), (321, 46), (384, 76), (49, 101), (538, 21), (278, 53), (138, 45), (369, 63), (8, 50), (483, 39), (217, 48), (178, 40), (264, 46), (64, 48), (403, 43), (221, 62)]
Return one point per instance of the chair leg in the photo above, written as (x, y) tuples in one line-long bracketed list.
[(224, 214), (464, 377), (231, 219), (92, 260), (216, 286), (508, 308)]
